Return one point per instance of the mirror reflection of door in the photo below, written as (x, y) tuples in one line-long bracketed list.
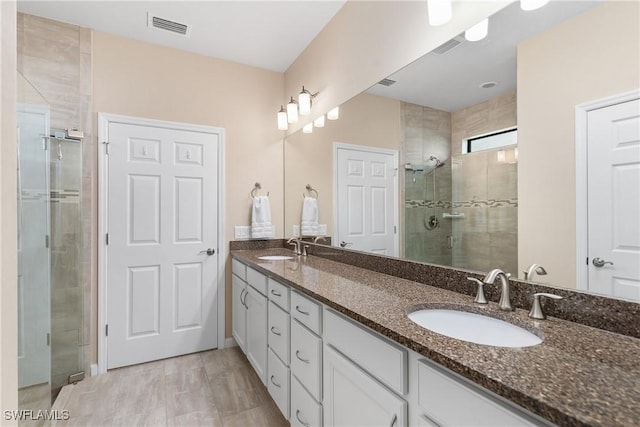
[(366, 199), (613, 165)]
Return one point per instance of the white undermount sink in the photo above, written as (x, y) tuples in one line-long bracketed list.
[(474, 328), (275, 257)]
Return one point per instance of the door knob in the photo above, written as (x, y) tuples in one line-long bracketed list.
[(599, 262), (209, 252), (344, 244)]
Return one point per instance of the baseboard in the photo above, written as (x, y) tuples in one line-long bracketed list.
[(94, 369), (230, 342)]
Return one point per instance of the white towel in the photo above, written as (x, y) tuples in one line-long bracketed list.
[(309, 223), (261, 226)]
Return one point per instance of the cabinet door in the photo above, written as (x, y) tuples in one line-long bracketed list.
[(354, 398), (239, 312), (257, 332)]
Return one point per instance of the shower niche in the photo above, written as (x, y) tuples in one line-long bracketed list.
[(50, 295)]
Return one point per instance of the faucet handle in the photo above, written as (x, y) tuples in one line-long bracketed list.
[(480, 298), (536, 309)]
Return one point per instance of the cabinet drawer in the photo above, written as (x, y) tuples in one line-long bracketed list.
[(257, 280), (278, 383), (279, 332), (447, 400), (279, 294), (306, 359), (304, 410), (307, 312), (239, 269), (381, 358)]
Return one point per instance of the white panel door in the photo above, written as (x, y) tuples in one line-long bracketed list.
[(613, 140), (366, 199), (162, 219)]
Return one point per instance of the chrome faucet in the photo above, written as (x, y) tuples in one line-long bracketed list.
[(296, 243), (505, 300), (532, 270), (318, 238)]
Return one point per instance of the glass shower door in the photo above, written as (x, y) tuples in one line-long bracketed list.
[(34, 265)]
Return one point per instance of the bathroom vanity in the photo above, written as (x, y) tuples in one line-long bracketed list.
[(334, 346)]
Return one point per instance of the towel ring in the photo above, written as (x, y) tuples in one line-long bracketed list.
[(311, 190), (254, 192)]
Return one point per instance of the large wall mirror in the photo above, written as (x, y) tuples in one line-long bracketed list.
[(486, 174)]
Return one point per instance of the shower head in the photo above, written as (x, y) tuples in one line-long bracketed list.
[(438, 162)]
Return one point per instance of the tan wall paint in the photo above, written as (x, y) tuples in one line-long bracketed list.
[(8, 221), (364, 120), (552, 80), (367, 41), (139, 79)]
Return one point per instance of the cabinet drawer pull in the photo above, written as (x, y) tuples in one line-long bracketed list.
[(274, 383), (300, 358), (298, 417), (430, 421), (393, 420), (276, 293), (306, 313), (275, 331)]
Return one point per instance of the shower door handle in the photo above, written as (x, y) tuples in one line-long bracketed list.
[(209, 252)]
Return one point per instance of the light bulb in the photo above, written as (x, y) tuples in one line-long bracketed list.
[(292, 111), (308, 128), (532, 4), (478, 31), (439, 11), (334, 114), (282, 119), (304, 102), (319, 122)]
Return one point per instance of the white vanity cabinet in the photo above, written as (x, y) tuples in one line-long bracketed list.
[(256, 343), (239, 310)]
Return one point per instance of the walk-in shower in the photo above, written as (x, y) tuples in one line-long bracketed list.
[(431, 221), (50, 312)]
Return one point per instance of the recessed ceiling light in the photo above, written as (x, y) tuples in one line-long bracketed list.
[(488, 85)]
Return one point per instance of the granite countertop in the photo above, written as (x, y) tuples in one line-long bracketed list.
[(579, 375)]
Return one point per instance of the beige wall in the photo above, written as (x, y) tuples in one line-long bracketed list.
[(364, 120), (8, 253), (139, 79), (367, 41), (592, 56)]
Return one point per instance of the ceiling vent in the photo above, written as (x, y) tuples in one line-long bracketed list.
[(386, 82), (447, 46), (167, 25)]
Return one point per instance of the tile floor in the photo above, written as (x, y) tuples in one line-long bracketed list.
[(211, 388)]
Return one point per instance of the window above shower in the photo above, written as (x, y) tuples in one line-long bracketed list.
[(492, 140)]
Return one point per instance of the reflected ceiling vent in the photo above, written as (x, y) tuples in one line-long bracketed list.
[(447, 46), (167, 25), (386, 82)]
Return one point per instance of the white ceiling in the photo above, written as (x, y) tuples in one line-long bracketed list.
[(264, 34), (451, 81)]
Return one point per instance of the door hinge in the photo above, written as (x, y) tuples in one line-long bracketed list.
[(106, 239), (46, 241), (45, 143), (106, 146), (106, 330)]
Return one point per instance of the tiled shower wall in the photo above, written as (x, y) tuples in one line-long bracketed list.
[(56, 59), (480, 186), (485, 190), (426, 132)]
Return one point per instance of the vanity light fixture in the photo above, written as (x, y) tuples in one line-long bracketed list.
[(308, 128), (304, 101), (532, 4), (478, 31), (334, 114), (319, 122), (292, 111), (282, 119), (439, 11)]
